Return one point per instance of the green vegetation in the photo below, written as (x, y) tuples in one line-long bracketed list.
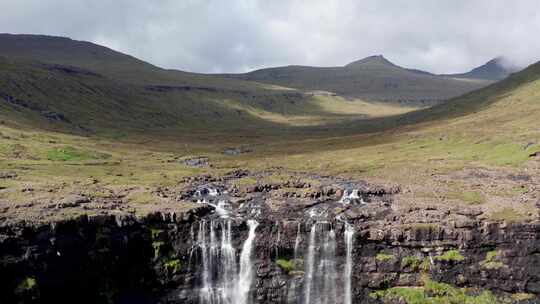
[(26, 285), (155, 233), (412, 262), (470, 197), (383, 257), (450, 256), (507, 214), (72, 154), (121, 134), (173, 266), (435, 293), (491, 261), (158, 248), (290, 266)]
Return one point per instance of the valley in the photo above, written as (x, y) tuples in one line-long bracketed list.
[(128, 183)]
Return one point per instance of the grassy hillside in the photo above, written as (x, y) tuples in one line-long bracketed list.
[(372, 78), (71, 86), (67, 129)]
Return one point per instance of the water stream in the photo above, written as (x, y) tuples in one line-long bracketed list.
[(227, 277)]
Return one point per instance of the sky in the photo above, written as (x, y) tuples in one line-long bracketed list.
[(215, 36)]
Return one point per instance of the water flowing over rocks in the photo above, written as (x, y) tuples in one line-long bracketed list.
[(288, 242)]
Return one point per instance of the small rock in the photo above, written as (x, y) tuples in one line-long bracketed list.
[(72, 201), (236, 151)]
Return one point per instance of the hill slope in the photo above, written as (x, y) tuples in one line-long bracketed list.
[(67, 85), (495, 70), (373, 78)]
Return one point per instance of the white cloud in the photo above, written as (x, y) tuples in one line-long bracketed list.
[(238, 35)]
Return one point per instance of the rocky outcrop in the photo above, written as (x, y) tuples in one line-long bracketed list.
[(158, 257)]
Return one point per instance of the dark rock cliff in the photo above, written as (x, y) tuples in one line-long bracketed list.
[(121, 259)]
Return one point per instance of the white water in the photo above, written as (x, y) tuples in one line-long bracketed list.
[(349, 196), (308, 279), (297, 240), (219, 264), (321, 275), (246, 271), (348, 235)]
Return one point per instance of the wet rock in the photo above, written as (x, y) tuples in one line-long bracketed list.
[(237, 151), (197, 162)]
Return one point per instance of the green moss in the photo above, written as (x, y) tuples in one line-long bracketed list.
[(412, 262), (290, 266), (26, 285), (383, 257), (158, 248), (155, 233), (450, 255), (72, 154), (434, 293), (426, 265), (173, 266), (491, 262)]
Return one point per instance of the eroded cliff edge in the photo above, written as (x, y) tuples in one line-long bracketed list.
[(158, 257)]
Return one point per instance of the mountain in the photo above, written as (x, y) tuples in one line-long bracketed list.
[(77, 86), (496, 69), (372, 78)]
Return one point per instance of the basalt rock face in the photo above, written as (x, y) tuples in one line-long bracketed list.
[(178, 258)]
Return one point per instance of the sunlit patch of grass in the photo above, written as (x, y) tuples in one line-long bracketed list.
[(73, 154), (507, 214)]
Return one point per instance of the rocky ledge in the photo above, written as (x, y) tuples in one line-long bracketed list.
[(351, 230)]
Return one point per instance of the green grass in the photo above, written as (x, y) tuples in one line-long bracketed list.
[(508, 214), (123, 136), (435, 293), (383, 257), (469, 197), (412, 262), (450, 256), (73, 154), (491, 261)]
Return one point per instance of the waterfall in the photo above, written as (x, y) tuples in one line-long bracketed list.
[(246, 271), (297, 240), (321, 274), (348, 235), (218, 264), (228, 270), (308, 279), (205, 294)]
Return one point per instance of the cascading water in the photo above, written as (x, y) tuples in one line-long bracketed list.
[(321, 274), (350, 196), (226, 280), (297, 240), (218, 263), (348, 236), (246, 271)]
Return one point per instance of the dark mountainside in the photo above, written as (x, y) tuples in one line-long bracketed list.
[(125, 183), (495, 70), (372, 78)]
